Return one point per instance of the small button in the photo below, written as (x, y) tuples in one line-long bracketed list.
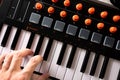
[(71, 30), (104, 14), (96, 38), (67, 3), (75, 18), (79, 6), (84, 33), (63, 14), (118, 45), (100, 25), (113, 29), (59, 26), (38, 6), (51, 10), (116, 18), (34, 18), (47, 22), (88, 22), (91, 10), (109, 41)]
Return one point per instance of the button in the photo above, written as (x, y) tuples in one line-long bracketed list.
[(118, 45), (84, 34), (96, 37), (109, 41), (63, 14), (47, 22), (113, 29), (75, 18), (79, 6), (116, 18), (67, 3), (54, 1), (34, 18), (71, 30), (88, 22), (104, 14), (59, 26), (91, 10), (51, 10), (38, 6), (100, 25)]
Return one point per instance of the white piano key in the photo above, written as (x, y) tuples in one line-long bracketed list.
[(20, 40), (42, 50), (4, 28), (86, 75), (26, 39), (11, 37), (46, 64), (112, 70), (62, 68), (1, 50), (78, 74), (70, 71), (99, 66), (33, 47), (24, 44), (54, 67)]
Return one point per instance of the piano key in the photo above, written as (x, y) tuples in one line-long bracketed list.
[(98, 69), (41, 52), (1, 50), (72, 54), (62, 68), (84, 65), (94, 65), (104, 66), (86, 75), (54, 67), (70, 71), (64, 46), (39, 45), (30, 40), (26, 39), (118, 77), (4, 28), (47, 51), (46, 64), (78, 74), (15, 40), (20, 40), (112, 70), (33, 47), (5, 38), (11, 37)]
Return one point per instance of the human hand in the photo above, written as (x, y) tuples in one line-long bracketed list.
[(10, 66)]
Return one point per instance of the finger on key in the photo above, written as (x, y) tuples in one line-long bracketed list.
[(44, 77), (31, 65), (7, 62), (17, 58), (2, 57)]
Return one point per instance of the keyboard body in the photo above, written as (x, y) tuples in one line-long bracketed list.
[(24, 16)]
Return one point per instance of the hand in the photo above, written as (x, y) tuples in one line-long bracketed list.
[(10, 66)]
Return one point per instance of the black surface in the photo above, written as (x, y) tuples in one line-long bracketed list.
[(118, 77)]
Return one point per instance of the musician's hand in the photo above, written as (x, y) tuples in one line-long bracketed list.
[(10, 66)]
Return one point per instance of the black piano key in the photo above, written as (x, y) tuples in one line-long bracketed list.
[(94, 65), (85, 61), (5, 38), (62, 52), (118, 77), (104, 67), (14, 43), (39, 45), (30, 40), (47, 51), (71, 57)]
